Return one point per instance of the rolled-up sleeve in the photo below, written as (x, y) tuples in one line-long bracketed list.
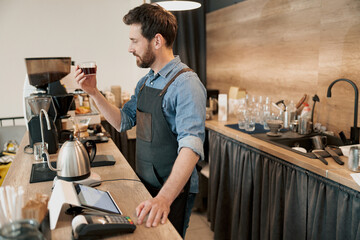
[(191, 113), (128, 112), (194, 143), (126, 122)]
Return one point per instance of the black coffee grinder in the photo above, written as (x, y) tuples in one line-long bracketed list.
[(41, 73)]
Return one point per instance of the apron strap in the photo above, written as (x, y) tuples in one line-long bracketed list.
[(173, 79), (142, 86)]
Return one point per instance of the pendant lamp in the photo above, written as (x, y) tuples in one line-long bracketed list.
[(175, 5)]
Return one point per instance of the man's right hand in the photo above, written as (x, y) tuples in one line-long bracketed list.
[(86, 82)]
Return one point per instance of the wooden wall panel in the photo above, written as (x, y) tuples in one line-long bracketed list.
[(339, 58), (285, 48)]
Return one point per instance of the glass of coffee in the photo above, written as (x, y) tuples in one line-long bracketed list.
[(88, 68)]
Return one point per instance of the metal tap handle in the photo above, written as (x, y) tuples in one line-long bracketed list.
[(43, 147), (43, 112)]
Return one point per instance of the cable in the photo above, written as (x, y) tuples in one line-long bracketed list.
[(119, 179)]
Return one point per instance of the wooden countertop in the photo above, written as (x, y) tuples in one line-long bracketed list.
[(333, 171), (127, 194)]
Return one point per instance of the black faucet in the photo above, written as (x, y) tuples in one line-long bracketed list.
[(354, 134), (315, 99)]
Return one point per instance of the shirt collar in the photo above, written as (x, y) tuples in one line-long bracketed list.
[(168, 67)]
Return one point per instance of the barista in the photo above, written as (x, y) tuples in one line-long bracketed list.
[(169, 109)]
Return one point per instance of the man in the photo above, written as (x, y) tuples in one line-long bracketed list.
[(169, 108)]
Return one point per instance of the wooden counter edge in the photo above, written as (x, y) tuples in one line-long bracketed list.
[(19, 173), (333, 171)]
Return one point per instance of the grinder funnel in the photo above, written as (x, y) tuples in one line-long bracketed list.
[(62, 104), (37, 103), (42, 71)]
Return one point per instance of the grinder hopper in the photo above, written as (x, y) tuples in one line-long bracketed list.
[(42, 71)]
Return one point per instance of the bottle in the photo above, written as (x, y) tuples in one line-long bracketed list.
[(305, 126), (291, 112), (285, 118), (306, 112), (266, 113)]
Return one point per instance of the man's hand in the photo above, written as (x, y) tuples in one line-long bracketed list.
[(86, 82), (158, 209)]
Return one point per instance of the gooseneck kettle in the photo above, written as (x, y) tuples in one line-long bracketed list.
[(74, 159)]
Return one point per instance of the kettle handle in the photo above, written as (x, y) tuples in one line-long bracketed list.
[(93, 149)]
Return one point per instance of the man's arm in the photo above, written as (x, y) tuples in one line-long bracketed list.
[(190, 111), (109, 111), (158, 208)]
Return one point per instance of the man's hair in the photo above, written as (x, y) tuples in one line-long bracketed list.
[(153, 19)]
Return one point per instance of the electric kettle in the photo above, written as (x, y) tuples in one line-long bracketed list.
[(73, 163)]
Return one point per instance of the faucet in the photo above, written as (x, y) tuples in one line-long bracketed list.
[(315, 99), (354, 134), (43, 146)]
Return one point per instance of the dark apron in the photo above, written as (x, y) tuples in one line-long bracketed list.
[(156, 148)]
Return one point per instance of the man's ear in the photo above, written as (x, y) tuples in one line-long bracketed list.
[(159, 41)]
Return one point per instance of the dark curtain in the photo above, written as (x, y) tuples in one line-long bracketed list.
[(254, 195), (125, 145), (190, 43), (334, 210)]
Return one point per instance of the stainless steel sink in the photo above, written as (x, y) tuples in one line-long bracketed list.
[(289, 139)]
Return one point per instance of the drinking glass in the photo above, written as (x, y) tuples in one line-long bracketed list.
[(88, 68), (38, 151), (252, 101), (266, 116), (21, 230), (250, 121), (259, 115), (241, 113)]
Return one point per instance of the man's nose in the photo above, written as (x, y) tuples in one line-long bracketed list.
[(131, 49)]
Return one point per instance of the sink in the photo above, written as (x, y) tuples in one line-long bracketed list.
[(289, 139)]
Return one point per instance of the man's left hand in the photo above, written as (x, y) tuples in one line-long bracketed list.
[(157, 208)]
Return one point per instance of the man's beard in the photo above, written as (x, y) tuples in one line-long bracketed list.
[(147, 60)]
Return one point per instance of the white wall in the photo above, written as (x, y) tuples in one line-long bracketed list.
[(80, 29)]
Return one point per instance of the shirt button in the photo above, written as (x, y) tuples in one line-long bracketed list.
[(152, 83)]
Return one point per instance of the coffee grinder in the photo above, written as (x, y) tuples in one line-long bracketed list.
[(41, 73)]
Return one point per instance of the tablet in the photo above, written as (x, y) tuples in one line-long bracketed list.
[(95, 199)]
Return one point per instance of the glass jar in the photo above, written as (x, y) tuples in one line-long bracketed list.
[(27, 229)]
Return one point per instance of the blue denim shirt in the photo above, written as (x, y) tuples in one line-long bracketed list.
[(184, 107)]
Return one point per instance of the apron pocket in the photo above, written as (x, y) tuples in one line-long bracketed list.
[(146, 173), (143, 125)]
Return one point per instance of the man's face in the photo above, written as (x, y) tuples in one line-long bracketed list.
[(140, 47)]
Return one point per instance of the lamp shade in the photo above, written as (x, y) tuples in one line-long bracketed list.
[(175, 5)]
